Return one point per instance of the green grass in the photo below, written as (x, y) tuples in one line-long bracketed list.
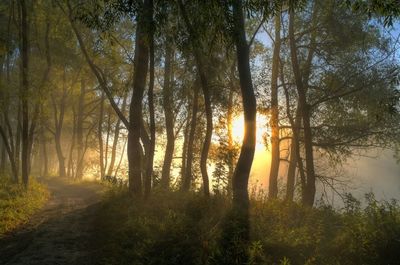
[(18, 204), (178, 228)]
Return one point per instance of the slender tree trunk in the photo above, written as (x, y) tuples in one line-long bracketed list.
[(150, 96), (229, 121), (121, 157), (291, 175), (60, 155), (243, 166), (294, 154), (169, 116), (45, 158), (58, 122), (107, 140), (25, 94), (79, 130), (305, 113), (185, 147), (236, 234), (17, 152), (201, 69), (141, 61), (10, 153), (115, 141), (70, 167), (189, 160), (100, 137), (207, 139), (2, 142), (274, 119), (3, 158)]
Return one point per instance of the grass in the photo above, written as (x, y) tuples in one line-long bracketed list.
[(17, 204), (179, 228)]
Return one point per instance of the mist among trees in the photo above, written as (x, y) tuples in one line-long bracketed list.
[(168, 103)]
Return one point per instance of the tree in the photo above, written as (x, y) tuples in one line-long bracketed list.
[(274, 120), (25, 155)]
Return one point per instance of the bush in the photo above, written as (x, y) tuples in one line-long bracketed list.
[(17, 204), (186, 228)]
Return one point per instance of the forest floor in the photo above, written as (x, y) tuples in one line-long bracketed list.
[(61, 232)]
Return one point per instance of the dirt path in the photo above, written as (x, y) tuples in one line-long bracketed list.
[(59, 233)]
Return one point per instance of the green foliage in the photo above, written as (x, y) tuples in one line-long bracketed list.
[(179, 228), (168, 228), (17, 204)]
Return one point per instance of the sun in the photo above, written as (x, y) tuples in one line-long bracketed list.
[(262, 130)]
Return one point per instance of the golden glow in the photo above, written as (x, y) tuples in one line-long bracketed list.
[(262, 130)]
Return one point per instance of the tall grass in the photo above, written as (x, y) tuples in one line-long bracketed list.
[(17, 204), (179, 228)]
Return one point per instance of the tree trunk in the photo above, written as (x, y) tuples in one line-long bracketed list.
[(100, 137), (25, 155), (236, 233), (10, 153), (45, 158), (207, 138), (243, 166), (274, 119), (294, 154), (185, 147), (60, 156), (207, 98), (189, 160), (150, 96), (141, 60), (79, 131), (17, 152), (58, 124), (70, 167), (3, 158), (169, 116), (305, 114), (229, 120), (107, 140), (116, 140)]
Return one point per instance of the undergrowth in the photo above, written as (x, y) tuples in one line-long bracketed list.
[(17, 204), (180, 228)]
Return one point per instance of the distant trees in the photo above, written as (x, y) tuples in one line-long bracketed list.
[(158, 71), (78, 78)]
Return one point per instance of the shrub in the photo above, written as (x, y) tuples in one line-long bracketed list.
[(186, 228), (17, 204)]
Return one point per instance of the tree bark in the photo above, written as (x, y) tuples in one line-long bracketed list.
[(207, 98), (25, 155), (152, 145), (115, 141), (189, 160), (304, 109), (141, 60), (100, 137), (3, 157), (58, 124), (79, 130), (185, 147), (169, 116), (10, 153), (45, 158), (243, 166), (70, 167), (107, 140), (274, 119), (236, 233), (229, 120), (150, 96)]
